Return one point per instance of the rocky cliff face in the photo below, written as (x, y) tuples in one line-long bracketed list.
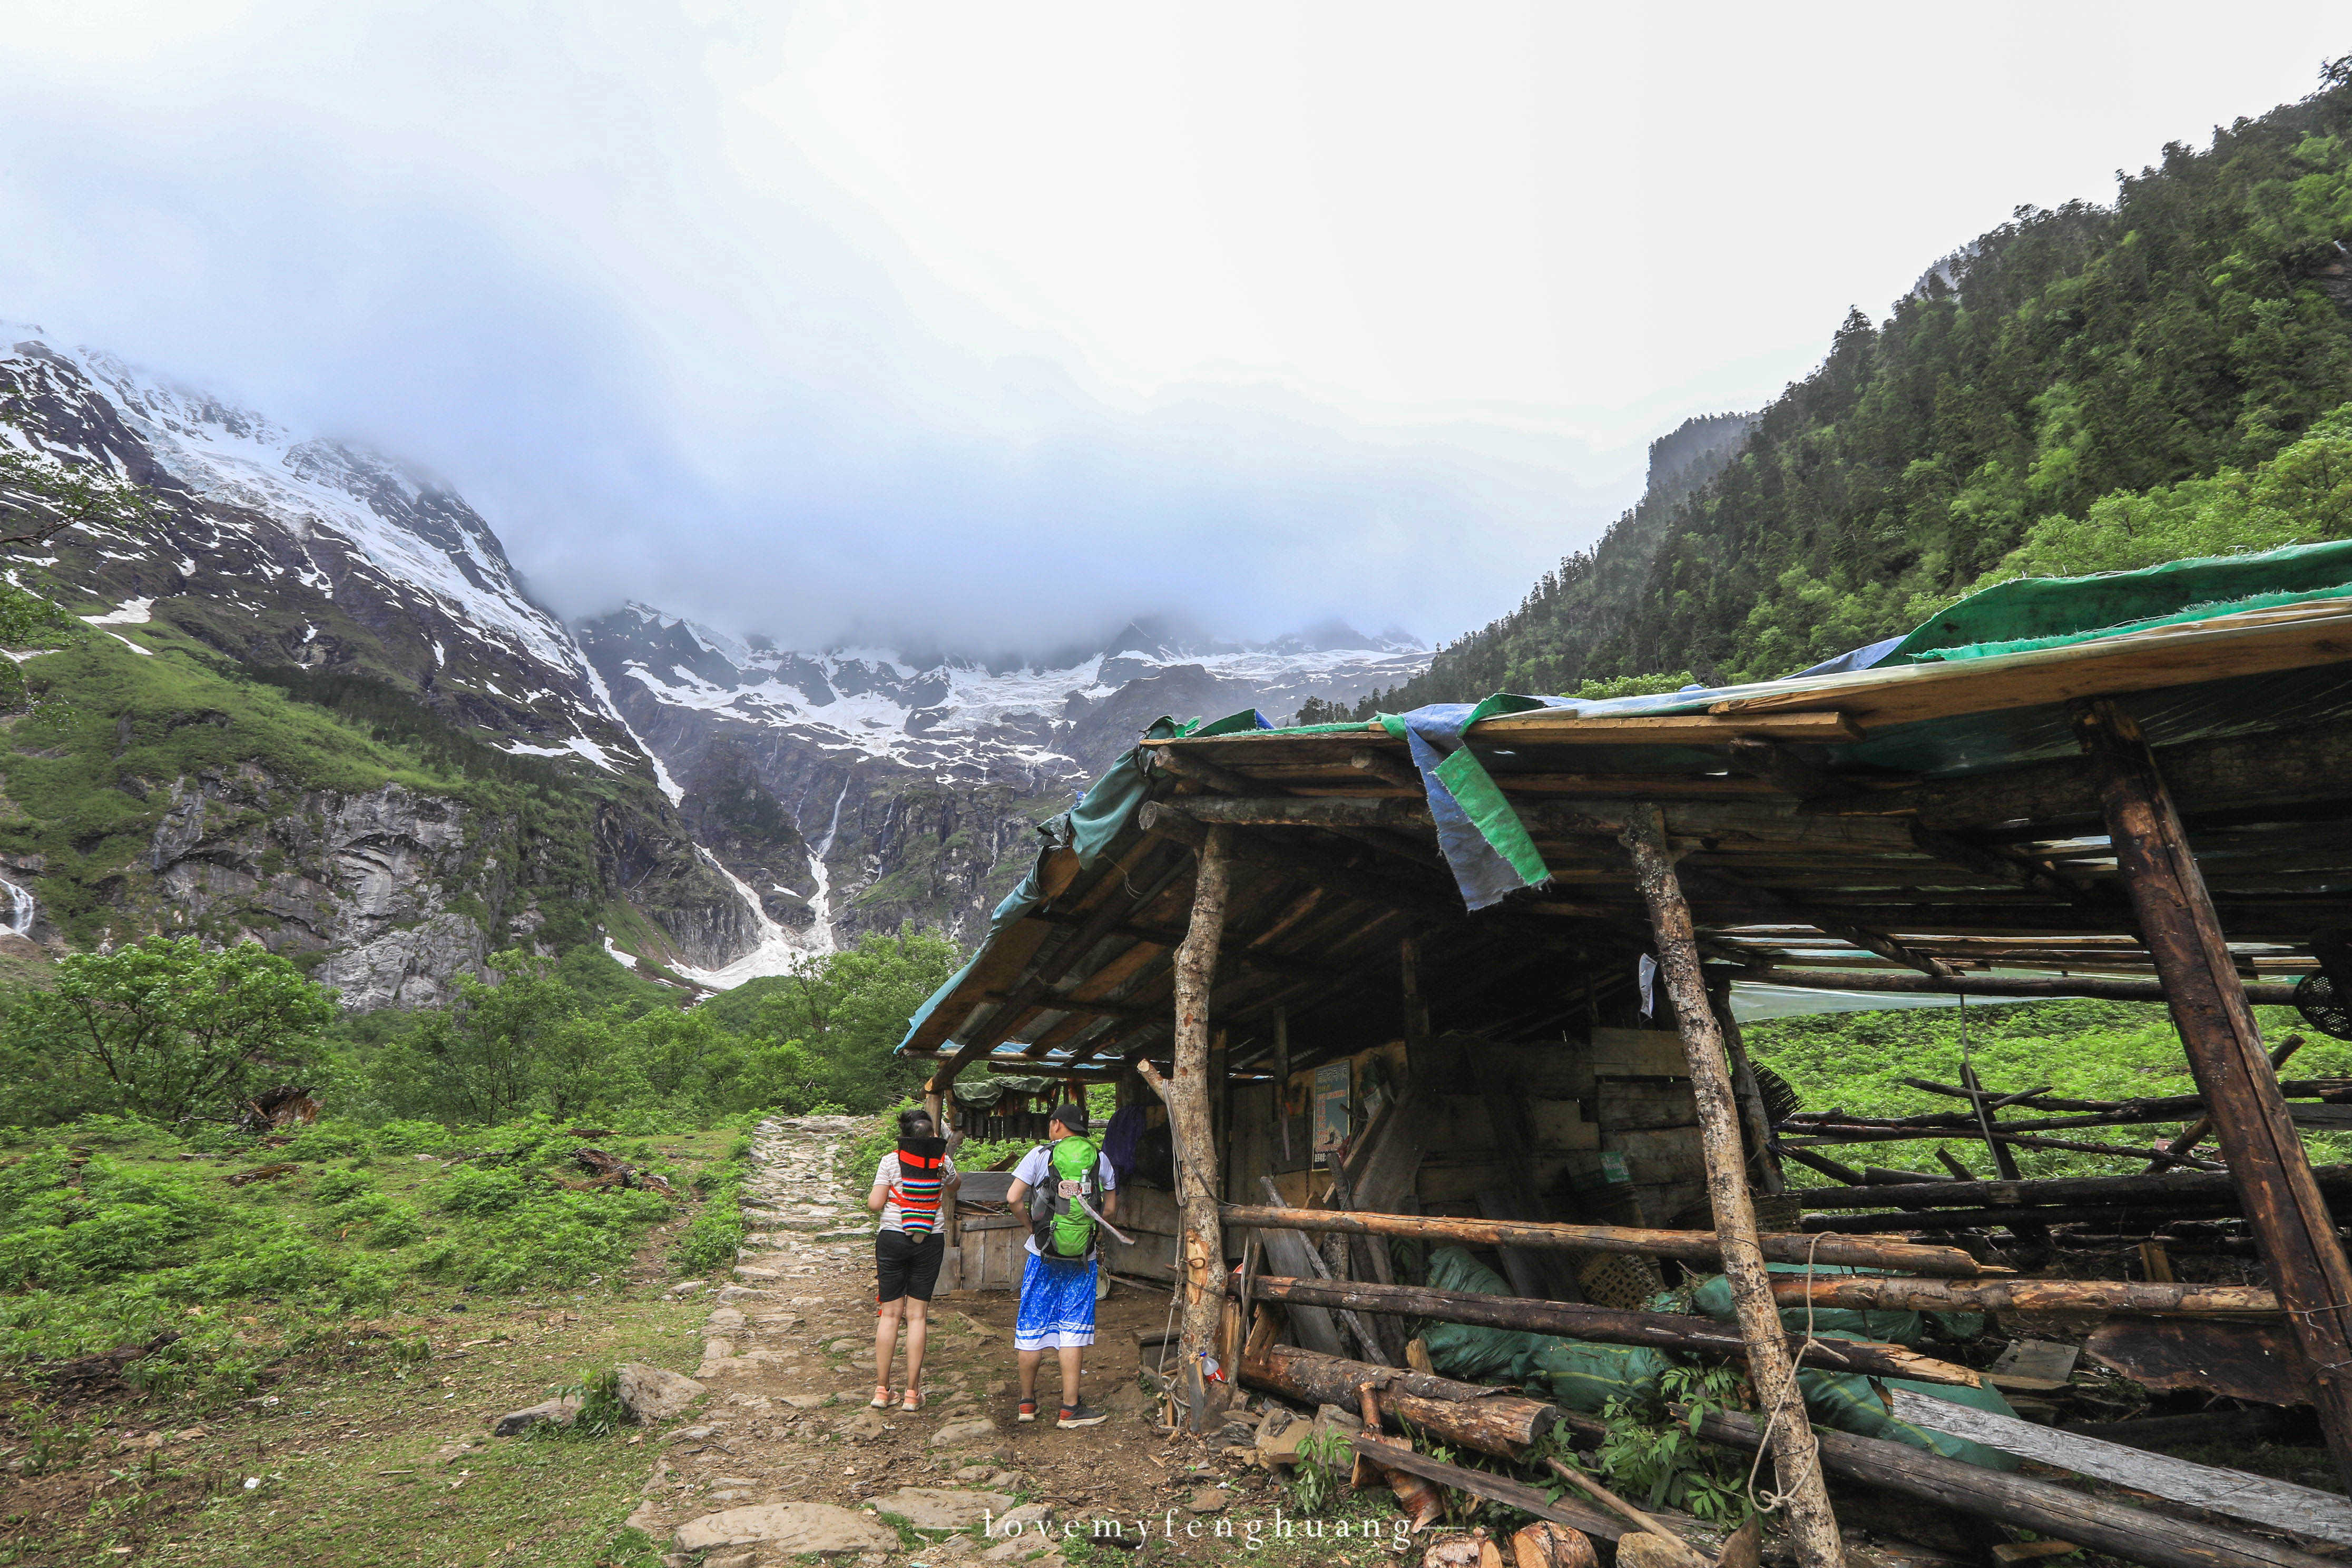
[(364, 882)]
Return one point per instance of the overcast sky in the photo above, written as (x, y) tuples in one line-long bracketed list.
[(996, 321)]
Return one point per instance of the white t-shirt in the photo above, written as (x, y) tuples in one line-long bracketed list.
[(1036, 1164), (885, 1176)]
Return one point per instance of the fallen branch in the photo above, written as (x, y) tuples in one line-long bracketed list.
[(609, 1172)]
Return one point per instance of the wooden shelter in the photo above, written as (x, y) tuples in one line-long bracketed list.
[(1269, 928)]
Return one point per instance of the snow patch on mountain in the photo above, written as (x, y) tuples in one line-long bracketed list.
[(877, 702)]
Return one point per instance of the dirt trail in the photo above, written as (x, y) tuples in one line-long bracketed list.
[(789, 1360)]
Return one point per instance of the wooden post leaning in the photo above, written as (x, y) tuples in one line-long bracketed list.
[(2208, 1002), (1199, 1245), (1813, 1525)]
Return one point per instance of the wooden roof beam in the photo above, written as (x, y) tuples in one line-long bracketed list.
[(1184, 821), (1097, 923), (1209, 776)]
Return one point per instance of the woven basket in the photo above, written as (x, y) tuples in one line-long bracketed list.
[(1623, 1280), (1782, 1213)]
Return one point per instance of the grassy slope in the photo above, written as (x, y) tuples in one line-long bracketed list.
[(2084, 1049), (338, 1324)]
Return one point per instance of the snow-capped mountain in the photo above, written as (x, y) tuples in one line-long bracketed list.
[(270, 520), (918, 783), (743, 802), (962, 713), (349, 580)]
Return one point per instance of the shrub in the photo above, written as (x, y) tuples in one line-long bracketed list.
[(477, 1190), (410, 1138), (370, 1283), (326, 1141), (125, 1238), (399, 1226), (341, 1186)]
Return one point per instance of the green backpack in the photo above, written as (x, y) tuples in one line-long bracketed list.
[(1062, 1207)]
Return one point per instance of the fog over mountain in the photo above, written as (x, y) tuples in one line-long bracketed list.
[(913, 325)]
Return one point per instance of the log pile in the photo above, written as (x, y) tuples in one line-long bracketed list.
[(1509, 1425)]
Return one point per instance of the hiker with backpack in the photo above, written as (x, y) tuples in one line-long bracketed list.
[(1069, 1186), (909, 1186)]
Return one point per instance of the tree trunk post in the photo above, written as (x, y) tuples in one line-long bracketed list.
[(1201, 1250), (2208, 1002), (1812, 1526)]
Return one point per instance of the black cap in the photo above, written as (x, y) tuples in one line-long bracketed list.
[(1072, 1117)]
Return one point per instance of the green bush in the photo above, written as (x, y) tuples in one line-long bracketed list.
[(410, 1137), (326, 1141), (712, 1237), (398, 1227), (477, 1190), (125, 1238), (341, 1186)]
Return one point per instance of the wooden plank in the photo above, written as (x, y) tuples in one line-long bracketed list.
[(2238, 1493), (2256, 643), (1559, 726), (2114, 990), (2033, 1366), (2134, 1534), (1638, 1053), (2252, 1361), (2207, 998)]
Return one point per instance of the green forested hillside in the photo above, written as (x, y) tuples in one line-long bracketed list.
[(2079, 389)]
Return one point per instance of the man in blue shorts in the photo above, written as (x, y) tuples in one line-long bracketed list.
[(1075, 1190)]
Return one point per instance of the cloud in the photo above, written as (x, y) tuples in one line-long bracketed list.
[(996, 327)]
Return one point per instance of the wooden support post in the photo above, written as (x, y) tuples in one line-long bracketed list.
[(1416, 1011), (1201, 1247), (2208, 1002), (1753, 1117), (1812, 1526)]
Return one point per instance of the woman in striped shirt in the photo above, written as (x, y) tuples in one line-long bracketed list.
[(909, 1186)]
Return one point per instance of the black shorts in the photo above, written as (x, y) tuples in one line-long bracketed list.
[(905, 1267)]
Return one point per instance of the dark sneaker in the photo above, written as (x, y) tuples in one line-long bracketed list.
[(1028, 1410), (1081, 1414)]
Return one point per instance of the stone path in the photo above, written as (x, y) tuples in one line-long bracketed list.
[(784, 1458)]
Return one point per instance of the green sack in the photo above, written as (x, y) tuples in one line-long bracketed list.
[(1465, 1350), (1713, 1299), (1850, 1403), (1586, 1376)]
